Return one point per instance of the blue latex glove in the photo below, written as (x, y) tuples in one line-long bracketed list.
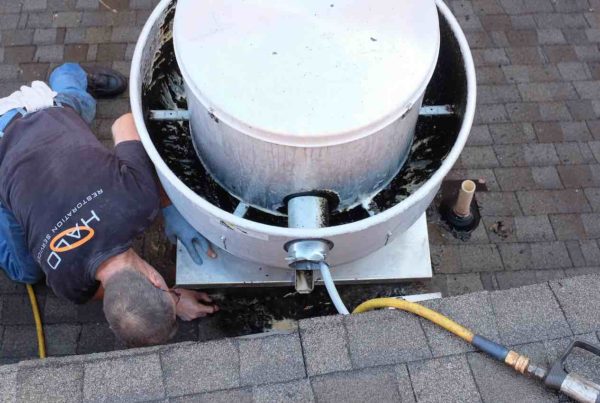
[(176, 227)]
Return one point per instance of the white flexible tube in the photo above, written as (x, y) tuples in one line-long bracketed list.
[(333, 292)]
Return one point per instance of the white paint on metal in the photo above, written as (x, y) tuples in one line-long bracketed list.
[(306, 73), (405, 259), (351, 241)]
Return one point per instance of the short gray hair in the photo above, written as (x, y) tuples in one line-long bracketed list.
[(139, 313)]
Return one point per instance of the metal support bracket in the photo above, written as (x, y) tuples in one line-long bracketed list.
[(241, 210), (182, 114), (436, 110)]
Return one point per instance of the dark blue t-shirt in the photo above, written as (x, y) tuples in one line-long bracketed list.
[(78, 202)]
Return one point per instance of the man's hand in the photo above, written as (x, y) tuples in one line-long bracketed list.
[(190, 307), (124, 129), (176, 227)]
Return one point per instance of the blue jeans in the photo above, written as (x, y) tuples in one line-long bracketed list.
[(70, 82)]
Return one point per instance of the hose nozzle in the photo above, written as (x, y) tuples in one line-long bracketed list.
[(573, 385)]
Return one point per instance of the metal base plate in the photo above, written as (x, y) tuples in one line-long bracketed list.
[(406, 258)]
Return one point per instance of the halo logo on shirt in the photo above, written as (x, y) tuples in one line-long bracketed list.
[(60, 243), (71, 239)]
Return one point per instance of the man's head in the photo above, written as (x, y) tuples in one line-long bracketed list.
[(137, 304), (139, 313)]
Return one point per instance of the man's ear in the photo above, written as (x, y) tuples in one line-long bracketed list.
[(156, 279)]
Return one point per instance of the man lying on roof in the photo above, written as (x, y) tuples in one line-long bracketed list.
[(70, 208)]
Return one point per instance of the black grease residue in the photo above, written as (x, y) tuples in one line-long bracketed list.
[(254, 310), (433, 139)]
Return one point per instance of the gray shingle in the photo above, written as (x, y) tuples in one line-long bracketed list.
[(553, 201), (512, 279), (479, 258), (95, 337), (443, 379), (324, 344), (473, 311), (366, 385), (61, 339), (58, 310), (534, 228), (295, 391), (7, 286), (19, 342), (591, 223), (8, 386), (498, 383), (464, 283), (223, 396), (128, 379), (478, 157), (49, 53), (87, 358), (32, 5), (516, 256), (373, 338), (91, 312), (44, 35), (68, 19), (491, 114), (87, 5), (568, 226), (549, 255), (198, 368), (579, 299), (574, 71), (528, 314), (13, 312), (547, 92), (509, 133), (271, 359), (588, 89), (50, 384), (142, 4), (407, 394), (496, 204), (590, 251)]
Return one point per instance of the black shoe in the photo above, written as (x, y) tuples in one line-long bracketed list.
[(104, 82)]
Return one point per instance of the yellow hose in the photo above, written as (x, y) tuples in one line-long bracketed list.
[(38, 322), (419, 310)]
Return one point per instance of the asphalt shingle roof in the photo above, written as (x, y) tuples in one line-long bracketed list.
[(392, 358)]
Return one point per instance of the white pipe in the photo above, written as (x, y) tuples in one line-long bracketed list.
[(462, 208), (333, 292)]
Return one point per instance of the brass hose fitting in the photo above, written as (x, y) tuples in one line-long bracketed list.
[(517, 361)]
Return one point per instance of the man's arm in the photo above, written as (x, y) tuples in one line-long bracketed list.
[(175, 225), (124, 129)]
